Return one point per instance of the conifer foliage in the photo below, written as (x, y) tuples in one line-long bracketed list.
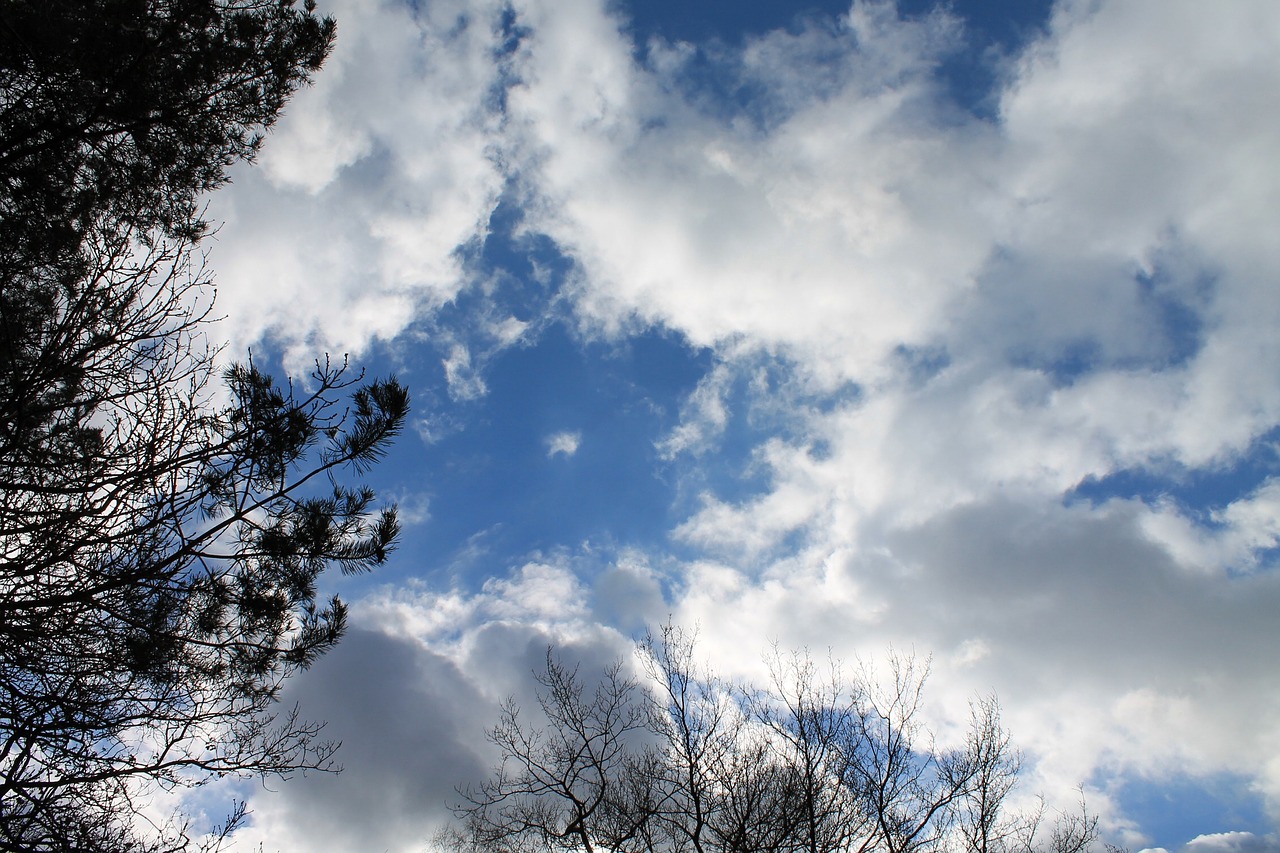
[(163, 522)]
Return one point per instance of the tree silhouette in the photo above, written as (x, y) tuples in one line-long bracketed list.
[(676, 759), (163, 521)]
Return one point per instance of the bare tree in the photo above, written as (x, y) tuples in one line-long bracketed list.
[(815, 762), (817, 726), (910, 787), (982, 821), (561, 786), (696, 718)]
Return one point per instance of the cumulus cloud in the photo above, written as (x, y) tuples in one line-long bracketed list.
[(350, 226), (1235, 541), (795, 233), (411, 691), (1082, 285), (1088, 273), (1232, 842), (409, 719)]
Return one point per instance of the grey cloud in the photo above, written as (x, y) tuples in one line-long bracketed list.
[(1106, 652), (629, 598), (1077, 590), (410, 731)]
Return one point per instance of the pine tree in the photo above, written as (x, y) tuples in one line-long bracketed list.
[(163, 523)]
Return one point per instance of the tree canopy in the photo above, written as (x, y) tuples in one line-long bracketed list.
[(164, 521)]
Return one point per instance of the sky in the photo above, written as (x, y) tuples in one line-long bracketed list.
[(852, 328)]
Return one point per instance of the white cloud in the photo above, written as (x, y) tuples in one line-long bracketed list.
[(1046, 256), (349, 226), (1232, 842), (703, 416), (1091, 275), (564, 443), (1231, 543), (801, 234), (464, 380)]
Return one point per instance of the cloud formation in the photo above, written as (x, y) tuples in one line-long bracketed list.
[(974, 319), (350, 225)]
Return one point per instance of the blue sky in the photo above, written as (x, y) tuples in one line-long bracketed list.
[(848, 326)]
